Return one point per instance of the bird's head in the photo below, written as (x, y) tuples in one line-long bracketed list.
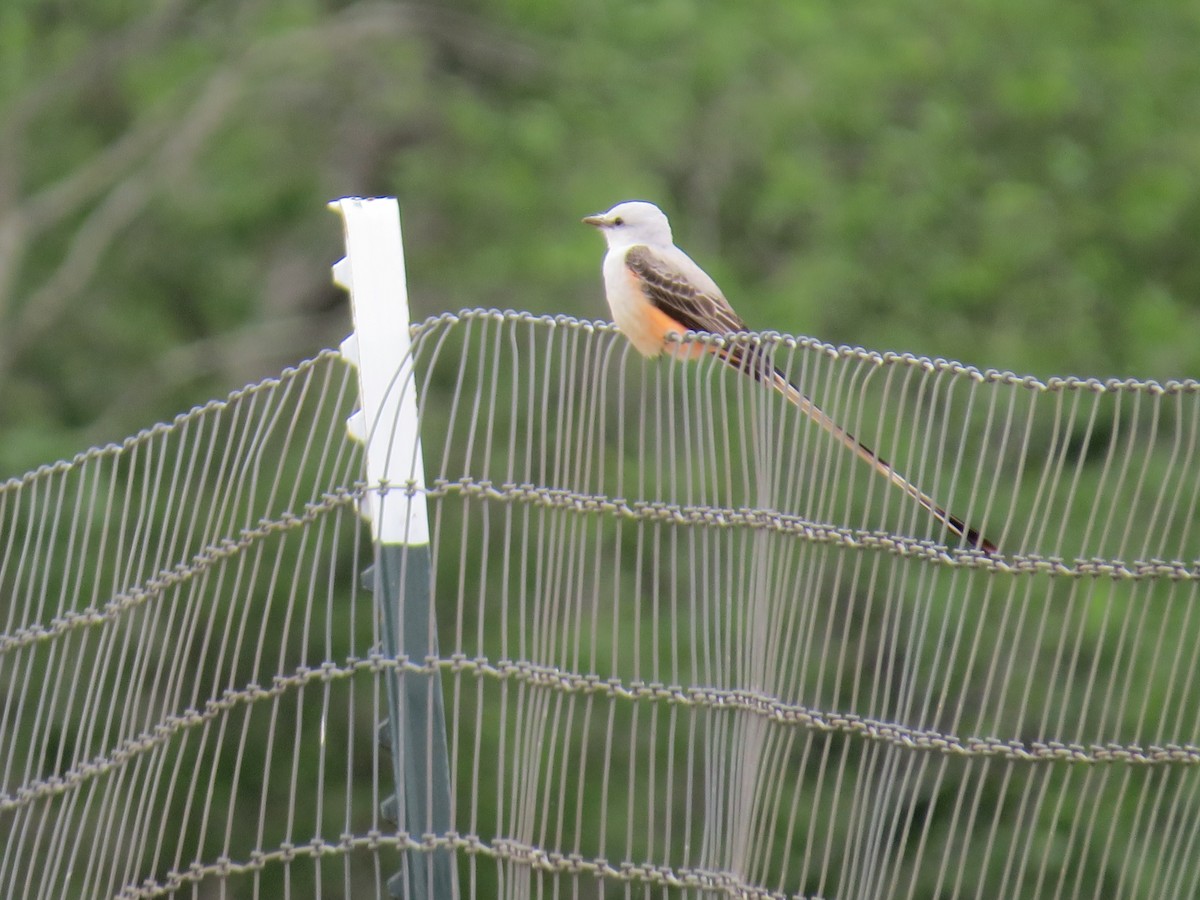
[(633, 222)]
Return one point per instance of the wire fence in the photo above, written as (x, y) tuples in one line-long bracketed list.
[(690, 646)]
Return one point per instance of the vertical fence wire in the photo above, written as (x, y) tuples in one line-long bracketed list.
[(690, 645)]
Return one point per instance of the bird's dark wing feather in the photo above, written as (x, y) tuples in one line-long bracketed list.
[(697, 304), (691, 305)]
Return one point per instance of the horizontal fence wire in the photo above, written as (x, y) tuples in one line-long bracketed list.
[(689, 643)]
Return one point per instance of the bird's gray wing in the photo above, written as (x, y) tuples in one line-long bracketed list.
[(681, 289)]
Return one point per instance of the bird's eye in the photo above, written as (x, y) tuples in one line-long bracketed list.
[(618, 221)]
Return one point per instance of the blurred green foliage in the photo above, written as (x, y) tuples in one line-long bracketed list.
[(1008, 184), (1016, 185)]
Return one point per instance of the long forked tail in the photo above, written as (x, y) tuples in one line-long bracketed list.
[(753, 363)]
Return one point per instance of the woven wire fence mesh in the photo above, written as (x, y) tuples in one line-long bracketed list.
[(689, 645)]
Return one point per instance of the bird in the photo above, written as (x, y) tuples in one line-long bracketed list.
[(654, 290)]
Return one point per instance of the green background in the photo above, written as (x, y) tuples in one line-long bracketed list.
[(1015, 185)]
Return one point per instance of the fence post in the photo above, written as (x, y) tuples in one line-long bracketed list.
[(394, 504)]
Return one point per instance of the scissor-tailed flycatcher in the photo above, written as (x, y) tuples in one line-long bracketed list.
[(655, 289)]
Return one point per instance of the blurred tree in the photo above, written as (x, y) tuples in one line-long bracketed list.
[(1012, 184), (1000, 183)]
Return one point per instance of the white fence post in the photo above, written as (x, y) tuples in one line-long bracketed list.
[(394, 503)]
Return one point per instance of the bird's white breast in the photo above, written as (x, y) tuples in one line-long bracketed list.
[(631, 310)]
